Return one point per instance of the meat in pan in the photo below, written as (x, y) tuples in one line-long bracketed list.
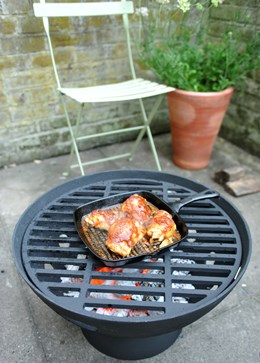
[(123, 235), (137, 208), (135, 220), (162, 228), (102, 218)]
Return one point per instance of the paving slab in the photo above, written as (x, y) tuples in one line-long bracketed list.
[(32, 332)]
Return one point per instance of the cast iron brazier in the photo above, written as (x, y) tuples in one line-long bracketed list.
[(136, 311)]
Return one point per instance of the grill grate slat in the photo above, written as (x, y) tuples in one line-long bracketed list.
[(125, 304)]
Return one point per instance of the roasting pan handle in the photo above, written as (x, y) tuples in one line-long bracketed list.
[(193, 198)]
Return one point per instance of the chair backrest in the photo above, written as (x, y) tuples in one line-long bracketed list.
[(102, 8)]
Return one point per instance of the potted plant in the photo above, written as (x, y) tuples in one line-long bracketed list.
[(174, 44)]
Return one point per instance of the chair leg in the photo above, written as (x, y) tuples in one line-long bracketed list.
[(75, 136), (146, 129), (74, 147)]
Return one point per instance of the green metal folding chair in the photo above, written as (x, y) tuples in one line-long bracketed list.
[(131, 90)]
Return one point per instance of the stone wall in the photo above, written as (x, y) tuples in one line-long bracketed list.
[(87, 52), (242, 122)]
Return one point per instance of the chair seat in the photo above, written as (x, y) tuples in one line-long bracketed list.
[(123, 91)]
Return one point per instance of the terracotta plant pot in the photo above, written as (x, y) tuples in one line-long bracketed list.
[(195, 119)]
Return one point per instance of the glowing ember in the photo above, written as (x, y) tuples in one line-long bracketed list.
[(111, 279)]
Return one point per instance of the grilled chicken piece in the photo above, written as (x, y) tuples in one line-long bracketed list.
[(102, 218), (137, 208), (161, 227), (123, 235)]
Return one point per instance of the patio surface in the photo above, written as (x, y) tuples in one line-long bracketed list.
[(32, 332)]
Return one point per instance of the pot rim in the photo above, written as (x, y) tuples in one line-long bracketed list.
[(201, 94)]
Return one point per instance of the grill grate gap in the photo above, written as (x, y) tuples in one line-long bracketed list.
[(65, 291)]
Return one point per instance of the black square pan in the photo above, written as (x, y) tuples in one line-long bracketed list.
[(95, 239)]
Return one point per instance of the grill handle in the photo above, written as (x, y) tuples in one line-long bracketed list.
[(193, 198)]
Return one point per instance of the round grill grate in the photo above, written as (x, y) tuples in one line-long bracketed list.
[(195, 272)]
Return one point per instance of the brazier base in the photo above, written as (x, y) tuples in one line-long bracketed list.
[(131, 348)]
